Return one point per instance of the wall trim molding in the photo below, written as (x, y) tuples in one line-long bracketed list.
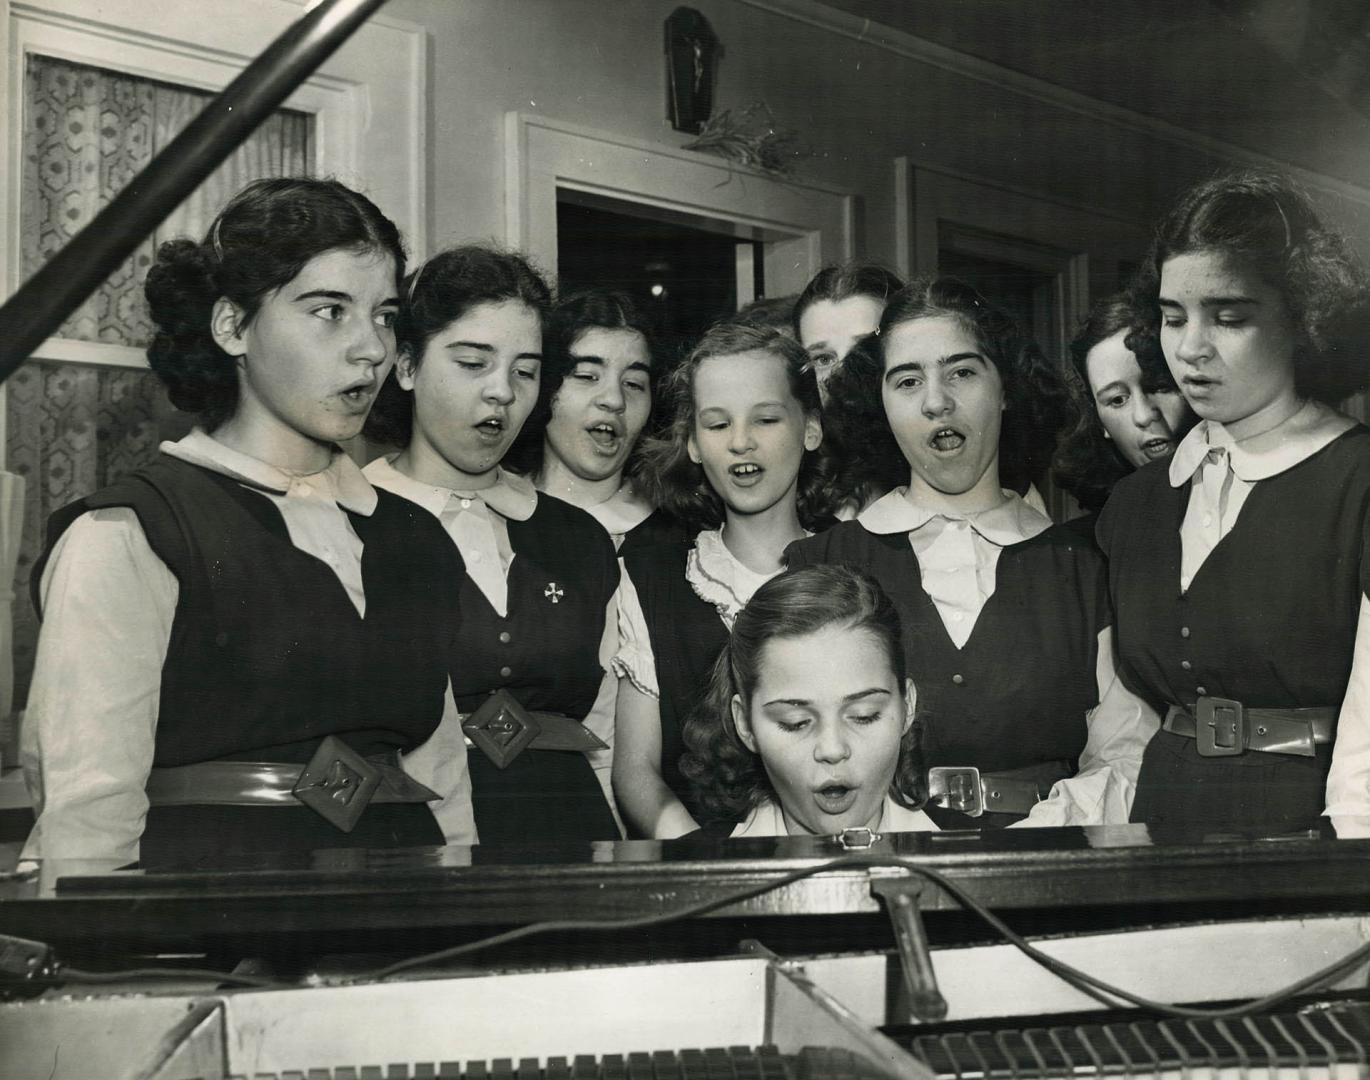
[(900, 43)]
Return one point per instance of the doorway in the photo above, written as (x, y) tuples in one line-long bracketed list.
[(685, 278)]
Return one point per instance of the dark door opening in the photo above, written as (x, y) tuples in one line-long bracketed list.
[(684, 278)]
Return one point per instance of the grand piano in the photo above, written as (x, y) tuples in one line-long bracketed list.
[(986, 956)]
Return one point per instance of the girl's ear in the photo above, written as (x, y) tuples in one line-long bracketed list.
[(910, 704), (405, 369), (226, 324), (692, 448), (741, 724), (813, 432)]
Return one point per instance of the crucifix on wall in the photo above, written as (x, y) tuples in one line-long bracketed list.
[(692, 51)]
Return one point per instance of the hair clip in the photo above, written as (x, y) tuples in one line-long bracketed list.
[(214, 239), (1288, 234), (414, 282)]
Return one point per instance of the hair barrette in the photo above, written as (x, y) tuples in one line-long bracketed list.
[(214, 239), (414, 282)]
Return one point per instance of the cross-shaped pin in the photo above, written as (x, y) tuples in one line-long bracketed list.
[(553, 592)]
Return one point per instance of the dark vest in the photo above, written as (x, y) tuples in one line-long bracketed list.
[(267, 654), (1016, 695), (658, 527), (687, 635), (1269, 620), (545, 651)]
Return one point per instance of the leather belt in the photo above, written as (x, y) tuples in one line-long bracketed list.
[(338, 783), (1225, 728), (967, 789), (503, 729)]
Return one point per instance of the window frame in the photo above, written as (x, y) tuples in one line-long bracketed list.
[(371, 91)]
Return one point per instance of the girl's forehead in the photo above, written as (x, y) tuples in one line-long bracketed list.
[(737, 380)]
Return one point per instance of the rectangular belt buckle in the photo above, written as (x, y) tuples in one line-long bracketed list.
[(1219, 727), (337, 784), (956, 788), (501, 727)]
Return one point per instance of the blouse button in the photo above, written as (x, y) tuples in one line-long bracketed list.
[(1186, 664), (474, 556), (958, 679), (1184, 631), (466, 504), (505, 672), (1201, 691), (505, 637)]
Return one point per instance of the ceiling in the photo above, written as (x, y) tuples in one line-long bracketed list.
[(1286, 78)]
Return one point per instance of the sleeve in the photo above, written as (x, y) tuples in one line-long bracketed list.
[(802, 553), (600, 718), (1120, 727), (440, 763), (1348, 782), (89, 730), (633, 658)]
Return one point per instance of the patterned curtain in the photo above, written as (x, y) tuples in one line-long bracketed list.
[(72, 428)]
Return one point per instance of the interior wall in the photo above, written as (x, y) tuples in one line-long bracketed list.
[(855, 105)]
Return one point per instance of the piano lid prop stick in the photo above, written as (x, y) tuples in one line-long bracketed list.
[(926, 1002)]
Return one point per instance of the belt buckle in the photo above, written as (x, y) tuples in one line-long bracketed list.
[(501, 727), (956, 788), (337, 784), (1219, 727)]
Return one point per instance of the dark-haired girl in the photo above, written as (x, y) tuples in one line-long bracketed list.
[(249, 603), (808, 726), (540, 573), (839, 306), (1239, 568), (1129, 412), (1006, 621), (594, 403), (741, 463)]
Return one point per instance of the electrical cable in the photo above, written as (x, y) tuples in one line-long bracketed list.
[(1094, 987)]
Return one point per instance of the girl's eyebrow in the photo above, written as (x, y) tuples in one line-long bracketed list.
[(848, 699), (1212, 301), (329, 294)]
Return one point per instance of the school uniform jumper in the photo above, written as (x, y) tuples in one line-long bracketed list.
[(267, 655), (1269, 616), (544, 649)]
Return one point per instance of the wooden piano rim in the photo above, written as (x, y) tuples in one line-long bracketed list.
[(378, 890)]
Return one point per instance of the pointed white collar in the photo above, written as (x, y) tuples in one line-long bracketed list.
[(1261, 456), (344, 482)]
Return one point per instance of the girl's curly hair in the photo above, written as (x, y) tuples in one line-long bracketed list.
[(671, 481), (261, 239), (570, 317), (1265, 221), (728, 779), (437, 294), (1036, 402), (1088, 463)]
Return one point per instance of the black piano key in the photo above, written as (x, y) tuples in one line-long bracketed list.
[(320, 1074), (1073, 1052), (640, 1066), (295, 1074), (1132, 1049), (477, 1070), (345, 1072), (371, 1072), (613, 1067), (558, 1068), (1346, 1040), (584, 1067), (398, 1072), (449, 1070), (720, 1063), (745, 1064), (665, 1066), (502, 1069), (529, 1069), (693, 1065), (772, 1063), (990, 1056), (1356, 1020)]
